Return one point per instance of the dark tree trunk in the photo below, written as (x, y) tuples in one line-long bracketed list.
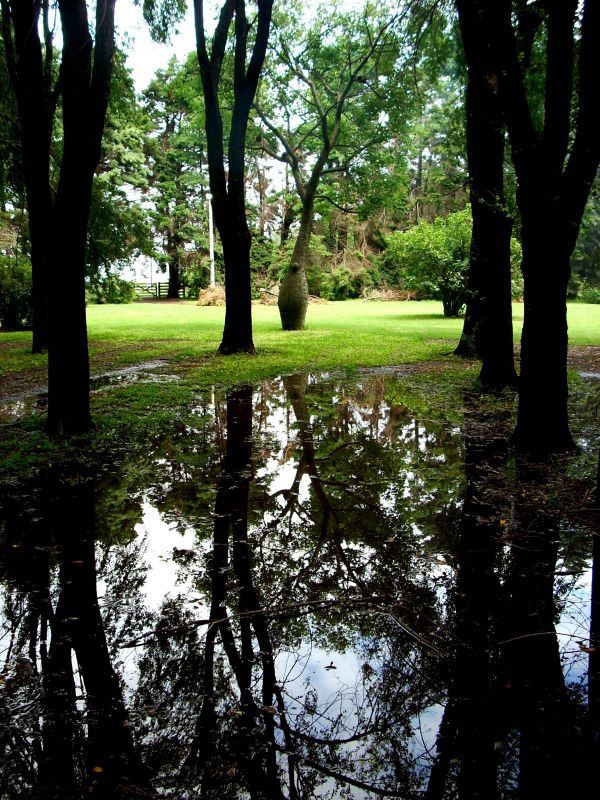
[(86, 85), (59, 229), (594, 660), (555, 168), (31, 78), (543, 391), (534, 694), (254, 752), (237, 333), (68, 361), (174, 244), (470, 725), (228, 195), (487, 332)]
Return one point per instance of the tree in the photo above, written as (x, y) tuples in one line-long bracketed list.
[(488, 331), (177, 161), (58, 224), (555, 160), (32, 73), (119, 227), (338, 72), (228, 189)]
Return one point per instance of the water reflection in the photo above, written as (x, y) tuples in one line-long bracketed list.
[(310, 590)]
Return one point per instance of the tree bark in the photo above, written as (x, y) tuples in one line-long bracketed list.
[(174, 244), (293, 291), (236, 241), (555, 168), (487, 332), (59, 228), (86, 86), (31, 78)]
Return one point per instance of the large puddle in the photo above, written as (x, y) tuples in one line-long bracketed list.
[(313, 589)]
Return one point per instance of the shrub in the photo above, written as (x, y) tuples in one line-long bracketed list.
[(589, 294), (433, 259), (110, 289), (16, 309), (342, 283)]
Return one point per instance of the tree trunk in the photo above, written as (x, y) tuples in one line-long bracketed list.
[(68, 360), (85, 90), (487, 331), (542, 419), (30, 77), (293, 291), (236, 241), (555, 168), (594, 659), (174, 244)]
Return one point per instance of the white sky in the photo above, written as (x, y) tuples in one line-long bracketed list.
[(144, 56)]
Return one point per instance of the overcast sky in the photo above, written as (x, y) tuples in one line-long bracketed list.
[(143, 55)]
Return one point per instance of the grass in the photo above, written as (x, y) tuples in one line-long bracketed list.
[(339, 336)]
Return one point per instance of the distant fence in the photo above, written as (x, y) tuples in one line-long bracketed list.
[(156, 290)]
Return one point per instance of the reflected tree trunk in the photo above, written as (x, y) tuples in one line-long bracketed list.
[(253, 752), (102, 755), (468, 731), (594, 655), (295, 387), (488, 331), (534, 695)]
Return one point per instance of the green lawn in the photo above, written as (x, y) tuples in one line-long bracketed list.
[(338, 336)]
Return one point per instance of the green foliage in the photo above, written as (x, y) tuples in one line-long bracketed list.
[(15, 292), (342, 283), (516, 276), (162, 16), (118, 228), (335, 102), (433, 259), (438, 171), (585, 261), (110, 289), (176, 158), (589, 294), (11, 167)]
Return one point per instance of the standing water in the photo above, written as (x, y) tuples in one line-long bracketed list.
[(312, 589)]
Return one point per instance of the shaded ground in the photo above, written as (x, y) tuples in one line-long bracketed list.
[(22, 383), (16, 385)]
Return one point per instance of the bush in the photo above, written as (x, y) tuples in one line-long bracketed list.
[(433, 259), (344, 284), (110, 289), (16, 311), (589, 294)]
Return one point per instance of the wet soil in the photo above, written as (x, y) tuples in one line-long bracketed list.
[(16, 385)]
